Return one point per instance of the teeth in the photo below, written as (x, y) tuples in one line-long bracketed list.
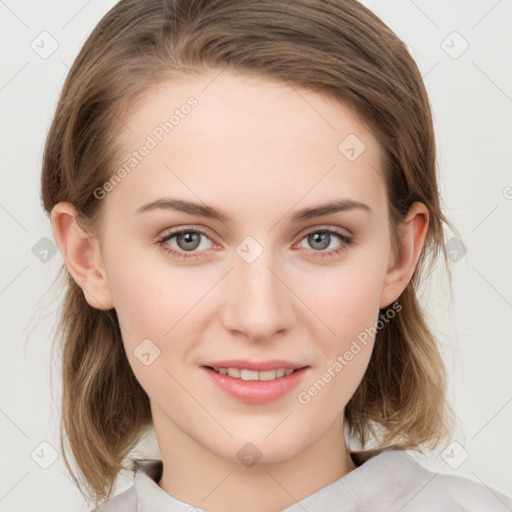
[(234, 372), (244, 374)]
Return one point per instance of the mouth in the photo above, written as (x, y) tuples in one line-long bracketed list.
[(256, 386)]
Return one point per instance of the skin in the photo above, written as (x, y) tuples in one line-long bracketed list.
[(259, 150)]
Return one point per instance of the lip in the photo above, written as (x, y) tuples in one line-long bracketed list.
[(259, 366), (256, 391)]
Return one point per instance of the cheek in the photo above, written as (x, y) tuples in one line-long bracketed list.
[(347, 300), (157, 305), (150, 297), (349, 306)]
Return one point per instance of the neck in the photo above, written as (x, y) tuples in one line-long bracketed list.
[(199, 477)]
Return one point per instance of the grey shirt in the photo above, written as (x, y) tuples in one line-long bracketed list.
[(384, 480)]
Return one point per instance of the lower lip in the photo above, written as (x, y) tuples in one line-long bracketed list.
[(257, 391)]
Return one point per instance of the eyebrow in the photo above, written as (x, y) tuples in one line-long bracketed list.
[(209, 212)]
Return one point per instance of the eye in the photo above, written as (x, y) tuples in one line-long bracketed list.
[(321, 239), (186, 240)]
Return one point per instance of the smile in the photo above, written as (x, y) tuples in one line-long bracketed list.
[(244, 374)]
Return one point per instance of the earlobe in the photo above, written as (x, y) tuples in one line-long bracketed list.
[(412, 237), (82, 256)]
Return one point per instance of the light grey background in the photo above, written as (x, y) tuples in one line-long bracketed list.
[(471, 95)]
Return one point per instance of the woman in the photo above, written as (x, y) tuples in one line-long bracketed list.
[(245, 198)]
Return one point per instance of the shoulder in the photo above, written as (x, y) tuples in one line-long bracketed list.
[(465, 494), (418, 489), (123, 502)]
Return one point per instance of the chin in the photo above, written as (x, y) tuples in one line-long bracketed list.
[(259, 449)]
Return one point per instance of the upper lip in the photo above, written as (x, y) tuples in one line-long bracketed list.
[(272, 364)]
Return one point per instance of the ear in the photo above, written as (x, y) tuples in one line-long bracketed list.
[(82, 255), (412, 233)]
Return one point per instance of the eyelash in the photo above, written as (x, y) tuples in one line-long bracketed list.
[(191, 255)]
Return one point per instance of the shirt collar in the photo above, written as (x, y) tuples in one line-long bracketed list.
[(150, 496), (343, 492)]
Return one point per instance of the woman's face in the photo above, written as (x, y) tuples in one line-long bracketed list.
[(253, 276)]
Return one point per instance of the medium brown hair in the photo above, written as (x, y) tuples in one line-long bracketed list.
[(335, 47)]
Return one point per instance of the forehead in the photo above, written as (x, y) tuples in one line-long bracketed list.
[(232, 139)]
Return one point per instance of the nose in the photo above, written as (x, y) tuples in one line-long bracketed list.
[(259, 304)]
